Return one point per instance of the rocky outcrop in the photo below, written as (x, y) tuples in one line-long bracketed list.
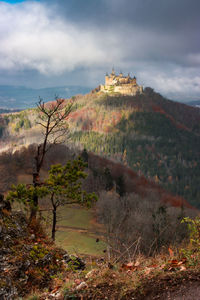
[(28, 259)]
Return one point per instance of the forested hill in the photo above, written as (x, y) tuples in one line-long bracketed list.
[(156, 137)]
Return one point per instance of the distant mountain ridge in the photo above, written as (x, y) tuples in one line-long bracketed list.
[(20, 97), (7, 111), (195, 103)]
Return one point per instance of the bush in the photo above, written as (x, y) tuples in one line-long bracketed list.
[(19, 125), (132, 218), (24, 122), (194, 231)]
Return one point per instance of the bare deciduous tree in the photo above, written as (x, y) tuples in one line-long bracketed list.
[(52, 118)]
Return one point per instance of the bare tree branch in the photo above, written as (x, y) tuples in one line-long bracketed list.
[(52, 118)]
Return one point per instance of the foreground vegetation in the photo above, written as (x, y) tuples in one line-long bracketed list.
[(33, 268), (28, 259), (138, 233)]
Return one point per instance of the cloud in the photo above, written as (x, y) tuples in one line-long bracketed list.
[(174, 83), (80, 40), (32, 37)]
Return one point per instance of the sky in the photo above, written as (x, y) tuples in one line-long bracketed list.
[(75, 42)]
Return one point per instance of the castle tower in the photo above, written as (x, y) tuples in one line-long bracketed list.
[(113, 72), (106, 79)]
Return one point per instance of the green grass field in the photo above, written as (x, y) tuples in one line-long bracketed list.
[(81, 243), (77, 231), (77, 217)]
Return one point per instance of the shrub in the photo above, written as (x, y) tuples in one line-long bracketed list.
[(192, 251), (132, 218)]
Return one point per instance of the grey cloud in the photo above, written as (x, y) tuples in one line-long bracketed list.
[(160, 15), (169, 29), (81, 40)]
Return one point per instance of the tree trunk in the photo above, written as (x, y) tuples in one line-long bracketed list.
[(33, 214), (34, 204), (54, 223)]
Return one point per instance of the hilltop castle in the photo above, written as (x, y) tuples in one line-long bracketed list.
[(121, 84)]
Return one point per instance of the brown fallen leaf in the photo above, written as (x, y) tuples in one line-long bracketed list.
[(153, 266), (6, 270), (137, 263), (162, 266), (173, 262), (147, 270), (171, 252), (77, 281), (56, 289), (182, 268), (128, 266)]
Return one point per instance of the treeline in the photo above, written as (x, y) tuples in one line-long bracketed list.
[(19, 120), (152, 144)]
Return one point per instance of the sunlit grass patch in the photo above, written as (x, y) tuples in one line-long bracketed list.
[(78, 242)]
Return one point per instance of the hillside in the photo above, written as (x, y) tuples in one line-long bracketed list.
[(137, 144), (155, 137)]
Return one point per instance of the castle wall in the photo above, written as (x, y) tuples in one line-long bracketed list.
[(125, 89), (121, 84), (128, 89), (109, 81)]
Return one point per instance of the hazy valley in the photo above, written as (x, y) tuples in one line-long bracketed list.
[(20, 97)]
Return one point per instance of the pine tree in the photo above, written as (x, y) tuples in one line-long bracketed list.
[(120, 186), (108, 180)]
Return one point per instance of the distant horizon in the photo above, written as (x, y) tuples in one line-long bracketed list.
[(91, 88), (24, 97), (21, 97)]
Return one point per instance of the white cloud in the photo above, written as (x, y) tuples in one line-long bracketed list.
[(178, 83), (32, 37)]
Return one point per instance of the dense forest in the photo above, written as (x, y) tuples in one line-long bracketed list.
[(156, 137)]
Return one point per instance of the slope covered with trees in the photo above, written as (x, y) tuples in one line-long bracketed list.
[(156, 137), (147, 134)]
